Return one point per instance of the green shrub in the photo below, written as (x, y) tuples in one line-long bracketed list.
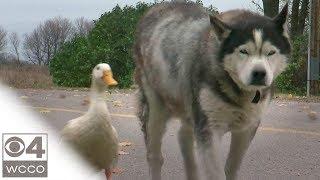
[(285, 82), (293, 79), (110, 41), (71, 67)]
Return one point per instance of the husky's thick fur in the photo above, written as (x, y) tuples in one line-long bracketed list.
[(215, 73)]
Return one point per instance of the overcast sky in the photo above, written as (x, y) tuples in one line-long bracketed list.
[(22, 16)]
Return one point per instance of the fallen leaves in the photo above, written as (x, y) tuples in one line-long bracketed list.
[(282, 105), (310, 113), (44, 111), (122, 145), (117, 171), (85, 102), (306, 107), (121, 152), (62, 96), (117, 103), (125, 144)]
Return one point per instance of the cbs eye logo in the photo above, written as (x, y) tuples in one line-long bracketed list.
[(14, 146)]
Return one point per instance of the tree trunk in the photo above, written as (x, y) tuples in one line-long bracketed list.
[(295, 17), (302, 17), (270, 7)]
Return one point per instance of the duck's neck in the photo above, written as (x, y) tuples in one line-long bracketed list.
[(97, 92), (98, 108)]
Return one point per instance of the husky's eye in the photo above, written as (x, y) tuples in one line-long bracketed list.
[(243, 51), (272, 52)]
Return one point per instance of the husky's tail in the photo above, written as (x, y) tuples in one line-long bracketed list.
[(143, 112), (143, 106)]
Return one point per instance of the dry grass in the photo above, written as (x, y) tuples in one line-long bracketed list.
[(25, 76)]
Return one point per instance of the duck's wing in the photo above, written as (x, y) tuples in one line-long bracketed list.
[(115, 161), (72, 128)]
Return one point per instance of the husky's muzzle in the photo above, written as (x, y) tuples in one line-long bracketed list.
[(258, 77)]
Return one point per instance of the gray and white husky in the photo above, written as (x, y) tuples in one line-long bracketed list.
[(215, 73)]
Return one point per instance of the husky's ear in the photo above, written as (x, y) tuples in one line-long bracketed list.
[(221, 29), (281, 19)]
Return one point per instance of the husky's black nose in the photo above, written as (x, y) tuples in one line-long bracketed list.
[(258, 78)]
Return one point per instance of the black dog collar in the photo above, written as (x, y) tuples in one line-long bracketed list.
[(256, 98)]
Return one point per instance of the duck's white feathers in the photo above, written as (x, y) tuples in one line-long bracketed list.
[(93, 135)]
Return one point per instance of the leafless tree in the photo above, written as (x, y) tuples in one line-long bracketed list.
[(3, 39), (257, 5), (33, 47), (15, 43), (83, 26), (41, 44)]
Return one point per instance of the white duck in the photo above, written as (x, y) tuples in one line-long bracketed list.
[(92, 134)]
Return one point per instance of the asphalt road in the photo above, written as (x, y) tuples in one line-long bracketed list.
[(287, 145)]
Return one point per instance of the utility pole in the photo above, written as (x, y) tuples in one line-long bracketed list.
[(314, 45), (309, 51)]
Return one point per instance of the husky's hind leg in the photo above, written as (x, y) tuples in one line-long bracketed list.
[(155, 129), (156, 116), (186, 141)]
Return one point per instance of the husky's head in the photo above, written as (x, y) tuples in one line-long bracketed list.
[(254, 48)]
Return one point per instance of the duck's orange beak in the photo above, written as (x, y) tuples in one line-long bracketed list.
[(108, 78)]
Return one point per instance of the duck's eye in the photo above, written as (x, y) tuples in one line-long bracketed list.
[(243, 51), (98, 68), (272, 52)]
